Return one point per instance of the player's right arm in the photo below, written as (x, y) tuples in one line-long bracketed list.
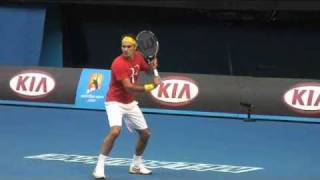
[(130, 87)]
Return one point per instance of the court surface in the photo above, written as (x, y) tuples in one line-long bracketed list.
[(55, 144)]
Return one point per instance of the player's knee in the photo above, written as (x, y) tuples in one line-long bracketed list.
[(145, 135), (115, 132)]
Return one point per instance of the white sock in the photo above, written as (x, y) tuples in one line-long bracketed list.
[(100, 163), (137, 160)]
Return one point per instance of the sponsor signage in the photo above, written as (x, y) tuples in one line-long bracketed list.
[(304, 98), (176, 91), (32, 84), (92, 88), (39, 84), (219, 95), (192, 92)]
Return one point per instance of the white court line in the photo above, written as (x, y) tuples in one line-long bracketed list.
[(148, 163)]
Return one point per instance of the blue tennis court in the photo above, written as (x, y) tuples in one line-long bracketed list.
[(50, 144)]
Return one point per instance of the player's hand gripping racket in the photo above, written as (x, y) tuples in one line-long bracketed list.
[(148, 44)]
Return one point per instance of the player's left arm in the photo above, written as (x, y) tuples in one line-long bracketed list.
[(154, 63)]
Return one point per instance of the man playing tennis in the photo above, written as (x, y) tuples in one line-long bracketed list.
[(120, 104)]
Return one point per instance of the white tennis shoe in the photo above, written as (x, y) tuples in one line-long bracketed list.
[(141, 169), (98, 174)]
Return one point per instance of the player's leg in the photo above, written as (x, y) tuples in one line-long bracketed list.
[(108, 142), (144, 135), (115, 114), (137, 121)]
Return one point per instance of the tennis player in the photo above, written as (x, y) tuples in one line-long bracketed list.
[(120, 104)]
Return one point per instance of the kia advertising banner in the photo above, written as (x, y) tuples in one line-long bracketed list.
[(92, 89), (179, 93), (39, 84), (196, 92), (212, 95), (304, 97), (281, 96)]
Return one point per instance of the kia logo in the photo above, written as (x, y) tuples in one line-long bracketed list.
[(32, 84), (305, 97), (175, 91)]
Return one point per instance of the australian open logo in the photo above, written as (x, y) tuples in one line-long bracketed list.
[(93, 89), (95, 82)]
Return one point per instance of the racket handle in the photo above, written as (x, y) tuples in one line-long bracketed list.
[(155, 72)]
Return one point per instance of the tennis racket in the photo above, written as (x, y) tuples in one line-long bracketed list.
[(148, 44)]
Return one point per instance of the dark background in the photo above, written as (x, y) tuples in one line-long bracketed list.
[(278, 38), (198, 41)]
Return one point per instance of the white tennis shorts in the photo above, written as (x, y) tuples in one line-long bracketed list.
[(130, 113)]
